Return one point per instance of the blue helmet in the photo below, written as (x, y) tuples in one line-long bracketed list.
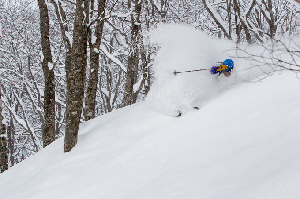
[(229, 63)]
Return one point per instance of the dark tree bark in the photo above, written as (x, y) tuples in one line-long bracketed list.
[(11, 141), (3, 142), (94, 63), (272, 20), (133, 59), (76, 77), (48, 69)]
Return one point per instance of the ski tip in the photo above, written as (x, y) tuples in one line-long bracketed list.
[(175, 73)]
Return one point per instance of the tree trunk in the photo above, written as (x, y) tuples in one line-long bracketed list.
[(76, 77), (3, 142), (48, 69), (133, 59), (11, 141), (241, 23), (94, 63), (272, 22)]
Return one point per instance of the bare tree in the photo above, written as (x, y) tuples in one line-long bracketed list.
[(22, 80), (133, 59), (273, 56), (48, 68), (3, 142), (76, 76), (94, 44)]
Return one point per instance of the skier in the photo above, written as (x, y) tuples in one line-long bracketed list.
[(225, 68)]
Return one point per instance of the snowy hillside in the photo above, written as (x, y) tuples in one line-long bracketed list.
[(244, 142)]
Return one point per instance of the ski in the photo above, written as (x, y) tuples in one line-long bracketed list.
[(179, 113)]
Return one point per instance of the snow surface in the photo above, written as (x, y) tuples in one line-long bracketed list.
[(50, 65), (244, 142)]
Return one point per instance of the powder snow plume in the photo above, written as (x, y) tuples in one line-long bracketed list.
[(183, 48)]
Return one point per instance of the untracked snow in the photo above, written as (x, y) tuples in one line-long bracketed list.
[(244, 142)]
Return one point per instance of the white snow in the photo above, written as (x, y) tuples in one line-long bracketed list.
[(50, 65), (96, 50), (41, 56), (244, 142), (113, 58), (105, 91), (94, 38), (137, 85), (69, 36)]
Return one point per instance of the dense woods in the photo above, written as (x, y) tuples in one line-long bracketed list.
[(65, 62)]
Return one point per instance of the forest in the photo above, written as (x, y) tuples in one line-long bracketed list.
[(63, 62)]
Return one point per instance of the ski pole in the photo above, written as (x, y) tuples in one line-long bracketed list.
[(188, 71)]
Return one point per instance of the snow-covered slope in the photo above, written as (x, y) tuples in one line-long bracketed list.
[(244, 142)]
